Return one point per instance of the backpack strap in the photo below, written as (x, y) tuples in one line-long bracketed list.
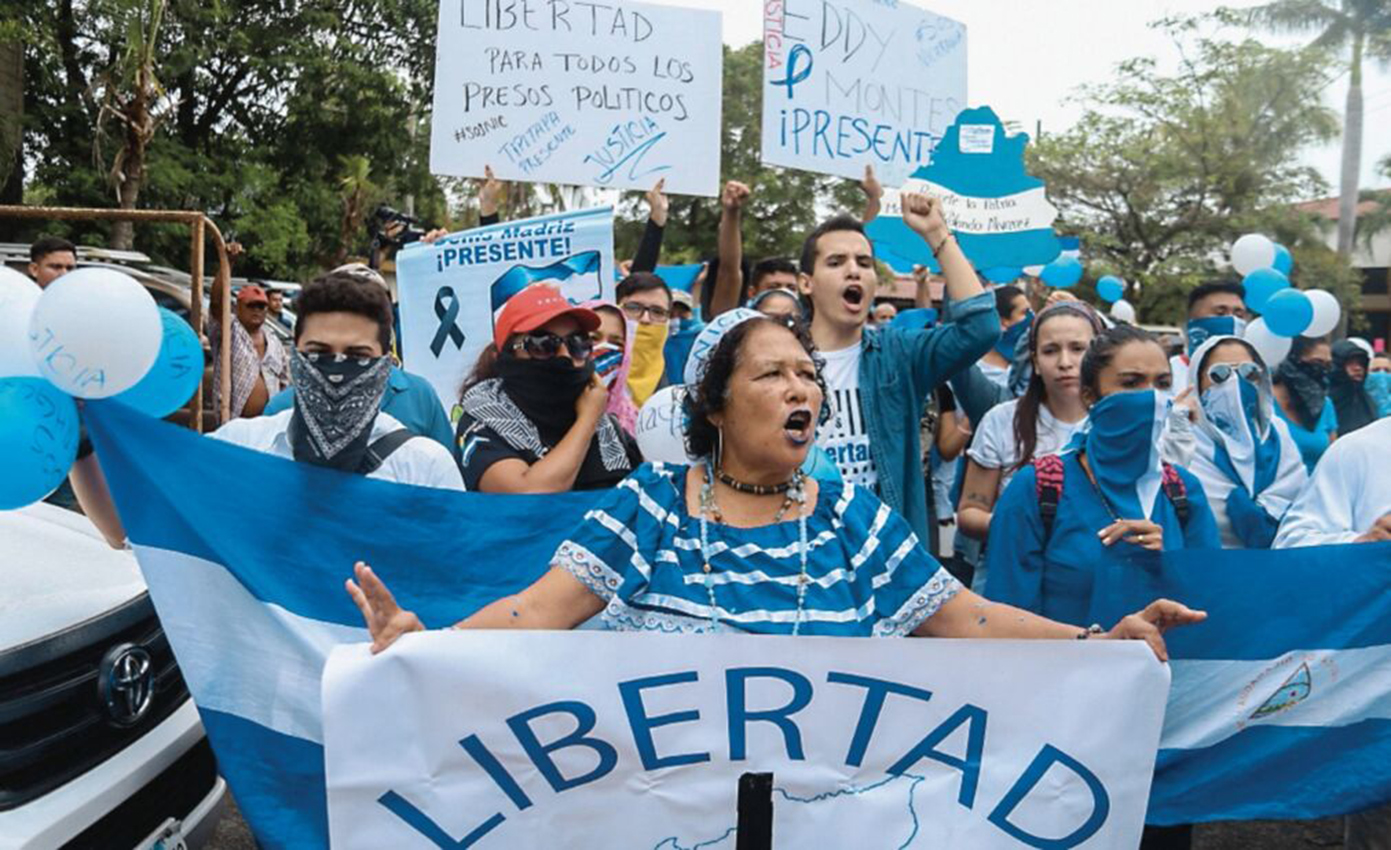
[(1048, 487), (1177, 493), (382, 448)]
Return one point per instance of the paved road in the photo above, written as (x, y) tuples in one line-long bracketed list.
[(232, 834)]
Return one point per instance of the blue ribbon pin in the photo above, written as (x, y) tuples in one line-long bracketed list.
[(795, 75), (448, 314)]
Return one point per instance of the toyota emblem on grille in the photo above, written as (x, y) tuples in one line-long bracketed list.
[(127, 683)]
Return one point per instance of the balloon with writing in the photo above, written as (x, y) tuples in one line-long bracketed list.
[(38, 439), (661, 429), (997, 211), (94, 332), (176, 374)]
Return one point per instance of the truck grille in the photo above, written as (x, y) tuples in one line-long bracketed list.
[(57, 722)]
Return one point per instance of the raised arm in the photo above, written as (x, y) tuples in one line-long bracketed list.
[(874, 191), (650, 248), (557, 600), (923, 214), (729, 280)]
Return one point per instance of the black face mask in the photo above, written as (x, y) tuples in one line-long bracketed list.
[(545, 391), (1307, 383), (336, 401)]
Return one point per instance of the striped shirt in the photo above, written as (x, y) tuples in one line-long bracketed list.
[(640, 551)]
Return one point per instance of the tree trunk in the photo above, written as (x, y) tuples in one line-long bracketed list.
[(1352, 155), (132, 177)]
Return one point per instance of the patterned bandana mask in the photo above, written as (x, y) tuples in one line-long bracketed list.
[(337, 398)]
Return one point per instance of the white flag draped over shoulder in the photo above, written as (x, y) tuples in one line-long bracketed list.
[(595, 739)]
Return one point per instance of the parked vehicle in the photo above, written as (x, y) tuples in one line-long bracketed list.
[(100, 744)]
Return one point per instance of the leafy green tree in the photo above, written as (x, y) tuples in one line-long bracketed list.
[(1363, 28), (1163, 172)]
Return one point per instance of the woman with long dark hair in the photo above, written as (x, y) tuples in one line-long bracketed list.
[(1041, 421)]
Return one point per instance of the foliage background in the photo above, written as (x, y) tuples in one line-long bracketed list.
[(288, 120)]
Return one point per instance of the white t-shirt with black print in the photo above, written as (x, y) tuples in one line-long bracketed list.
[(845, 436)]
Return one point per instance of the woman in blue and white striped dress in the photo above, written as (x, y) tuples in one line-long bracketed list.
[(744, 542)]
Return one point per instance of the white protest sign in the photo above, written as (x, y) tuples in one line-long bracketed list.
[(850, 83), (614, 94), (450, 291), (600, 739)]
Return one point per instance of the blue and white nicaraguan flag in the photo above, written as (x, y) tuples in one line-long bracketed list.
[(1279, 705)]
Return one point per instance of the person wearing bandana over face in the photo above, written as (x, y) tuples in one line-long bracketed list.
[(535, 414), (613, 359), (1217, 308), (1246, 459), (340, 368), (1015, 318), (1301, 396), (1112, 501), (1106, 504), (1347, 387), (646, 301)]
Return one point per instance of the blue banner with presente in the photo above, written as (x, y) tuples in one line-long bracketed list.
[(451, 291)]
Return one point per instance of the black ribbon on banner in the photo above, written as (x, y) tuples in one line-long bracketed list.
[(448, 314)]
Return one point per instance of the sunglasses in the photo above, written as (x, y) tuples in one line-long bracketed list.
[(545, 345), (637, 311), (1219, 372)]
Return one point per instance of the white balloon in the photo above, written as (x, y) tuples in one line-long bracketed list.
[(1252, 251), (1272, 348), (1327, 311), (18, 295), (95, 332), (661, 432), (1123, 311)]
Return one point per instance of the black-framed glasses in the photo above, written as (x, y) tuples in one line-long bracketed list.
[(634, 310), (1219, 372), (543, 345)]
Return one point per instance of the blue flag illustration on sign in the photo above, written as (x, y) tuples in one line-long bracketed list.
[(998, 212), (576, 277)]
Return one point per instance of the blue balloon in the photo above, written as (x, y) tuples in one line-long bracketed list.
[(1288, 312), (38, 439), (177, 372), (1284, 260), (1260, 285), (1062, 272), (1110, 288)]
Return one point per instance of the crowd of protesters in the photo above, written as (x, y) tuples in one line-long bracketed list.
[(1053, 440)]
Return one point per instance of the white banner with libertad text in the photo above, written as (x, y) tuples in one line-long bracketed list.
[(600, 739), (614, 94)]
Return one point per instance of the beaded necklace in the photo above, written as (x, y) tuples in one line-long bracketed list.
[(796, 494)]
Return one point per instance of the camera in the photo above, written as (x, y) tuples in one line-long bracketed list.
[(391, 230)]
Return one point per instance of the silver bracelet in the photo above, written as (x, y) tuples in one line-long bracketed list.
[(1093, 629)]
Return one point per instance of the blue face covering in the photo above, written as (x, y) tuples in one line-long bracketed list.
[(1248, 451), (1199, 330), (1009, 340), (1122, 445)]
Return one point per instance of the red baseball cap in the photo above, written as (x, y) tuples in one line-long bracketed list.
[(252, 294), (535, 306)]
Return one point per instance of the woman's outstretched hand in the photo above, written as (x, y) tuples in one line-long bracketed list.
[(385, 619), (1150, 624)]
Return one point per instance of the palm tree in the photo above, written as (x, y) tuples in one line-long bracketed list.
[(1365, 27), (357, 192)]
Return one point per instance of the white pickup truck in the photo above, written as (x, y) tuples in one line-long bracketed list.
[(100, 745)]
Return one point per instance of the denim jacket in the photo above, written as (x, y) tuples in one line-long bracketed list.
[(899, 369)]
